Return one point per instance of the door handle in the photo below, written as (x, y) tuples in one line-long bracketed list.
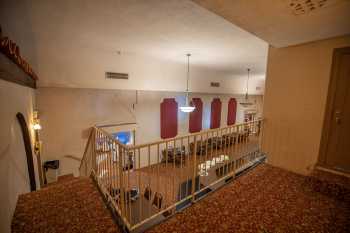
[(338, 117)]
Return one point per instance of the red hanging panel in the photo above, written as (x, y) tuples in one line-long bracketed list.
[(168, 118), (195, 123), (231, 111), (215, 115)]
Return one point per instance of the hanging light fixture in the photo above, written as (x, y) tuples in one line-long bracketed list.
[(187, 107), (246, 94), (246, 102)]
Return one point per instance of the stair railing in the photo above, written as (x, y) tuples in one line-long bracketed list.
[(149, 182)]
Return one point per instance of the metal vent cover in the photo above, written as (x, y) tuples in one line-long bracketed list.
[(215, 84), (299, 7), (113, 75)]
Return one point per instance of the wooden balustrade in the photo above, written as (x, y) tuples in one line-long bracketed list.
[(153, 180)]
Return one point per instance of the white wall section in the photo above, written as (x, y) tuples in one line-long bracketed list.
[(68, 113), (14, 178)]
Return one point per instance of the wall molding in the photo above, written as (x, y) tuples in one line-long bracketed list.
[(10, 72), (13, 67)]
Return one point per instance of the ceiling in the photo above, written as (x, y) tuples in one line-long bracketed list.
[(158, 29), (286, 22)]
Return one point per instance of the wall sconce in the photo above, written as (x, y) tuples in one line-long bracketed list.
[(36, 121), (38, 145)]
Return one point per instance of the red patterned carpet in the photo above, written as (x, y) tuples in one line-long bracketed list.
[(65, 207), (266, 200)]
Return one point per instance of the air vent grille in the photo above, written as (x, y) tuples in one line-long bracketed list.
[(113, 75), (215, 84), (300, 7)]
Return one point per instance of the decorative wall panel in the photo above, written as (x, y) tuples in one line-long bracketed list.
[(215, 115), (231, 111), (168, 118), (195, 122)]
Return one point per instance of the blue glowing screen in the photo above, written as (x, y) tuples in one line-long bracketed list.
[(123, 137)]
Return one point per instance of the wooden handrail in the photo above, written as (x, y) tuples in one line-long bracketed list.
[(73, 157), (111, 137), (133, 147), (86, 147)]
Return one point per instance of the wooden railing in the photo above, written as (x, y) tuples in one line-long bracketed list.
[(146, 183)]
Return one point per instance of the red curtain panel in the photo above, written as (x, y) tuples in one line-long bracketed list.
[(168, 118), (231, 111), (215, 115), (195, 122)]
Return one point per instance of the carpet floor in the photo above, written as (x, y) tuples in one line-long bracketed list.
[(265, 200), (65, 207)]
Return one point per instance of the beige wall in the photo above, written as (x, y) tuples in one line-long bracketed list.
[(67, 113), (295, 101), (14, 178)]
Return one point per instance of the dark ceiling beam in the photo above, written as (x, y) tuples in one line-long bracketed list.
[(10, 72)]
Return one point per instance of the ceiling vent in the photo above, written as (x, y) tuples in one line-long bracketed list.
[(300, 7), (112, 75), (215, 84)]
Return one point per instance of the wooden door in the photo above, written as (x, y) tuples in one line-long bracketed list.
[(337, 131)]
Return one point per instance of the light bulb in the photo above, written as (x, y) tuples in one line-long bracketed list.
[(37, 126), (187, 108)]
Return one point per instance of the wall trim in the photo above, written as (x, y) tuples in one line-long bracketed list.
[(10, 72)]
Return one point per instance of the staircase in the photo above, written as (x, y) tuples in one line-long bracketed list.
[(62, 179), (69, 205)]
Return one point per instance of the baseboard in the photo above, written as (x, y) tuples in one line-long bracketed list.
[(330, 170)]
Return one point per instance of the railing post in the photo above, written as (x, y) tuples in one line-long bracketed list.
[(194, 168), (93, 150), (261, 126), (121, 181)]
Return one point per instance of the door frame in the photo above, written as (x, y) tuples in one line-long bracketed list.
[(327, 121)]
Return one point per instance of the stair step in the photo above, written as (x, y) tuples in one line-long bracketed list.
[(61, 179), (70, 206), (64, 178)]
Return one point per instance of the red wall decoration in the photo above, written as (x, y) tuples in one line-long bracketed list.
[(195, 122), (168, 118), (231, 111), (215, 115)]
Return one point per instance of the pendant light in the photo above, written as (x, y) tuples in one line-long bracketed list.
[(246, 102), (246, 93), (187, 107)]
